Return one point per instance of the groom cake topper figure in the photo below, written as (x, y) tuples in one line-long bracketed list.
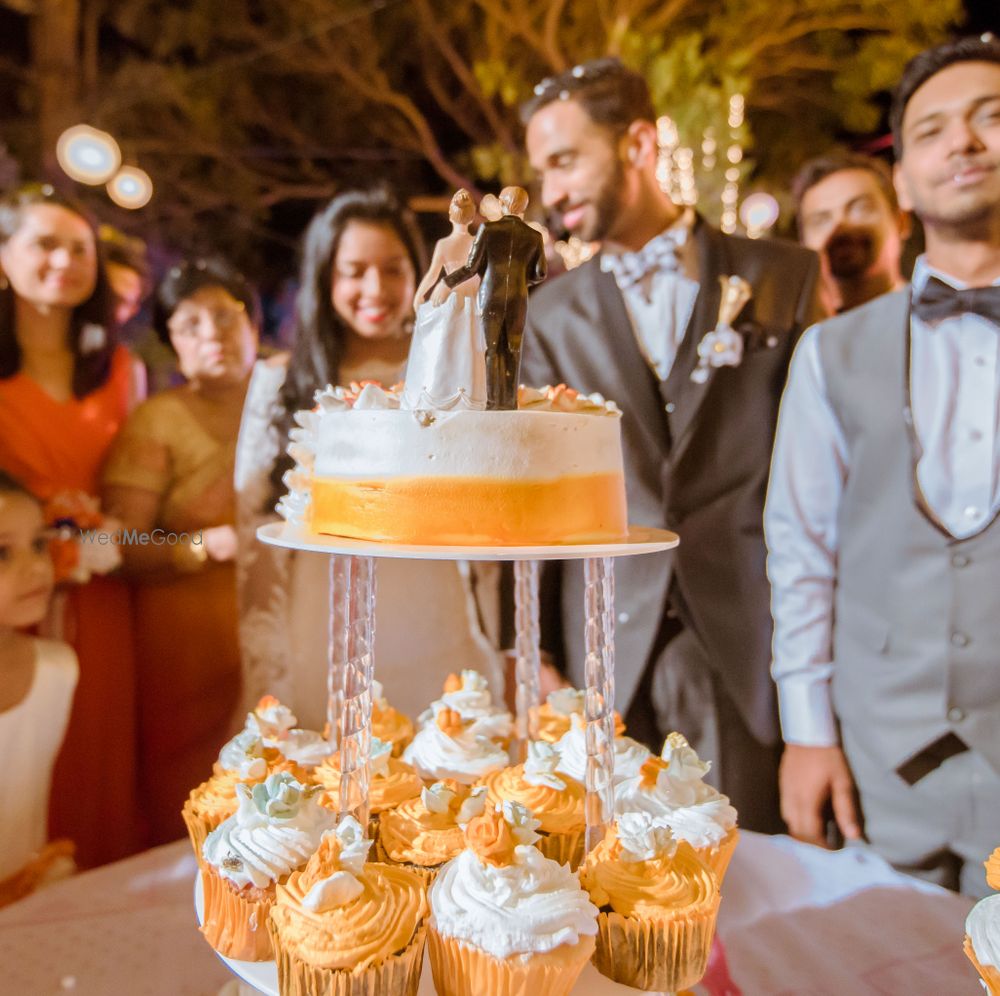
[(509, 257)]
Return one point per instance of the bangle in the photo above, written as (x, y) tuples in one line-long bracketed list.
[(190, 557)]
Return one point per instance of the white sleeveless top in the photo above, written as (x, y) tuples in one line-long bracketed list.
[(430, 615), (30, 736)]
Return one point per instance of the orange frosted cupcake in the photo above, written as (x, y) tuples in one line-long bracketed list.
[(425, 832), (506, 920), (672, 786), (555, 715), (245, 760), (275, 830), (342, 927), (389, 724), (556, 801), (658, 906), (993, 870), (275, 723), (391, 782)]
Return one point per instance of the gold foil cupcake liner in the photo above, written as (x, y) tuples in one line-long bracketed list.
[(236, 927), (462, 970), (990, 974), (398, 975), (655, 955), (566, 848)]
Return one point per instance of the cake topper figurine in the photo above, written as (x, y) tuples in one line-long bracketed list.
[(509, 257), (446, 368)]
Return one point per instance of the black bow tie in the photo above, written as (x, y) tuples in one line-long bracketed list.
[(939, 301)]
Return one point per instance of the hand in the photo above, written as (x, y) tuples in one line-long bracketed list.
[(220, 543), (808, 778), (440, 294)]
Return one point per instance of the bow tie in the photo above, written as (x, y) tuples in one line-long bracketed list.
[(657, 254), (939, 301)]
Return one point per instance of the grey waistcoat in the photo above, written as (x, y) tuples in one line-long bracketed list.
[(916, 633)]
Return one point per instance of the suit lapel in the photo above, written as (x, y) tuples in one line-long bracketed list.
[(678, 389), (637, 381)]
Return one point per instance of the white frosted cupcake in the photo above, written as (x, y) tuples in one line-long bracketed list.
[(506, 920), (274, 724), (448, 748), (982, 941), (469, 695), (277, 827), (672, 786), (572, 748)]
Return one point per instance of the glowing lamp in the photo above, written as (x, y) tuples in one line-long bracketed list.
[(88, 155), (131, 188)]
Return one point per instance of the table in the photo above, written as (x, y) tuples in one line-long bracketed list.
[(796, 921)]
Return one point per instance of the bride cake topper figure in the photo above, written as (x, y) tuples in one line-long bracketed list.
[(447, 364), (508, 256)]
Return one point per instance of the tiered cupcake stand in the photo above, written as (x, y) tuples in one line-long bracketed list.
[(351, 631)]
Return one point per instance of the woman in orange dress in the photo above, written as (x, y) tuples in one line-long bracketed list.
[(170, 474), (65, 389)]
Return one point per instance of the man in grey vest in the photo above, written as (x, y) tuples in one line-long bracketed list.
[(881, 517)]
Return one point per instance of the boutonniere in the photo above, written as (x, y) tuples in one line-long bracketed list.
[(723, 346)]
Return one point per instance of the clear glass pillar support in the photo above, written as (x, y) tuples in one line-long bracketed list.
[(526, 637), (336, 649), (357, 610), (599, 708)]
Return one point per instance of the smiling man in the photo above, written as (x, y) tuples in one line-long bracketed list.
[(847, 212), (884, 547), (693, 634)]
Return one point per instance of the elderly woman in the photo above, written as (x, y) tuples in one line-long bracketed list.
[(170, 478)]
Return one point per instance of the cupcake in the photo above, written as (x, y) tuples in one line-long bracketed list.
[(275, 723), (391, 782), (426, 832), (342, 927), (554, 716), (244, 759), (506, 920), (993, 870), (388, 724), (469, 695), (556, 801), (658, 905), (982, 941), (572, 748), (448, 748), (275, 830), (671, 786)]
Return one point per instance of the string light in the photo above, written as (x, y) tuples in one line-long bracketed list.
[(758, 213), (575, 251), (131, 188), (88, 155), (667, 140), (734, 155)]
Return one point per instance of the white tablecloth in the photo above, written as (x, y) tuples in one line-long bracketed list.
[(796, 921)]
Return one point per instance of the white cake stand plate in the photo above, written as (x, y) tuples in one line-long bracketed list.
[(640, 539)]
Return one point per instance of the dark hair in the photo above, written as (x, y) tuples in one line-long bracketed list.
[(91, 367), (185, 280), (984, 48), (612, 94), (12, 486), (125, 251), (816, 170), (319, 333)]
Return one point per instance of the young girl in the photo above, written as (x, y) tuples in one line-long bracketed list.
[(37, 679)]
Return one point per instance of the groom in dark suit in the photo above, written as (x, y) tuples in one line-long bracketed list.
[(509, 257), (693, 631)]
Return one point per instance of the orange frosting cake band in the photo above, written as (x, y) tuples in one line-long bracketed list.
[(472, 511)]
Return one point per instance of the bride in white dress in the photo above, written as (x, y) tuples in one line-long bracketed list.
[(359, 269)]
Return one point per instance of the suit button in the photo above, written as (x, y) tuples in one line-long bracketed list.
[(669, 407), (959, 640), (956, 715), (623, 617), (960, 560)]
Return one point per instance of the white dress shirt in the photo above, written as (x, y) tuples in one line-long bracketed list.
[(955, 390), (661, 303)]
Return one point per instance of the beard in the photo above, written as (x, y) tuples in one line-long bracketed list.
[(851, 252), (606, 207)]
